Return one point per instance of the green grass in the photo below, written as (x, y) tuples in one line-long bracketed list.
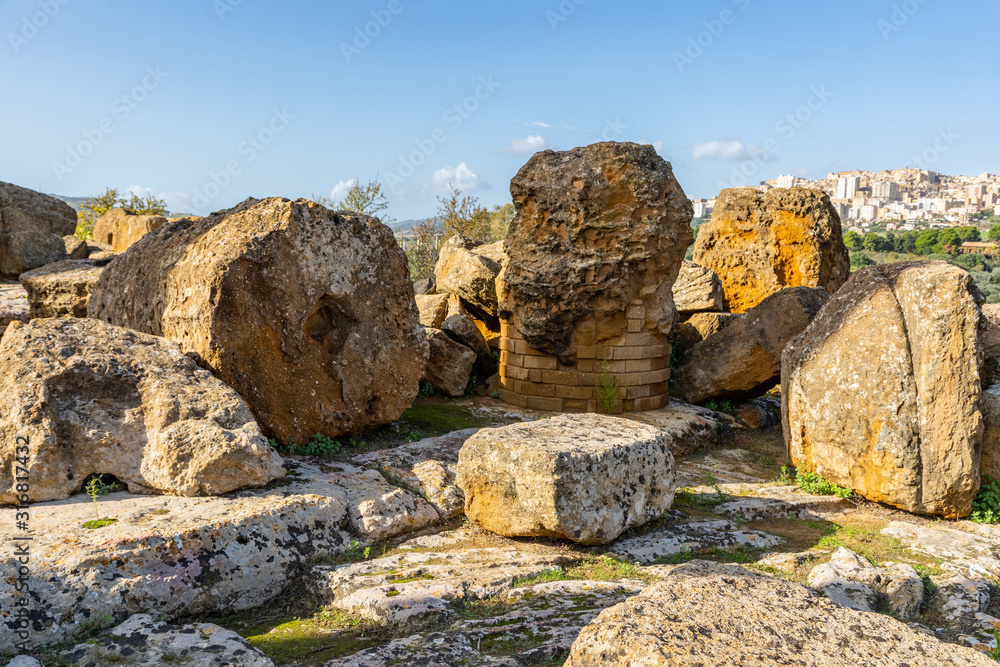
[(99, 523), (812, 483)]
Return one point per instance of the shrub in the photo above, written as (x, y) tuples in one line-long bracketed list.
[(986, 506), (812, 483)]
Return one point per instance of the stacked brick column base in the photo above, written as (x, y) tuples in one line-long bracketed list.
[(638, 359)]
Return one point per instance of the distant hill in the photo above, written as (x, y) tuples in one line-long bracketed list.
[(75, 202), (404, 226)]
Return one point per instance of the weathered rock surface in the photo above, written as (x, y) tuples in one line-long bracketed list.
[(172, 556), (989, 406), (851, 581), (464, 271), (744, 358), (759, 244), (989, 337), (449, 365), (462, 328), (378, 510), (142, 640), (596, 230), (728, 616), (285, 302), (121, 229), (587, 478), (31, 229), (893, 416), (62, 289), (698, 290), (690, 427), (699, 327), (424, 286), (433, 309), (966, 552), (692, 538), (75, 248), (87, 398), (13, 306)]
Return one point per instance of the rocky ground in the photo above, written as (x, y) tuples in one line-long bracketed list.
[(363, 557)]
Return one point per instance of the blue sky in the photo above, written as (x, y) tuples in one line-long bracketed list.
[(207, 102)]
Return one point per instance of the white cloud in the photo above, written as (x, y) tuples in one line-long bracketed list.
[(527, 146), (725, 151), (658, 147), (341, 189), (539, 123), (461, 177)]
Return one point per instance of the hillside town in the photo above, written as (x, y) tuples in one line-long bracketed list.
[(895, 200)]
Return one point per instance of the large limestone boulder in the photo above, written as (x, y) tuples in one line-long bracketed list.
[(699, 327), (62, 289), (462, 329), (989, 406), (464, 270), (698, 290), (31, 229), (744, 358), (759, 244), (881, 392), (597, 230), (433, 309), (449, 365), (586, 478), (120, 228), (307, 313), (728, 616), (989, 336), (82, 397)]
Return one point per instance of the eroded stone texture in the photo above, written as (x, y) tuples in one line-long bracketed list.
[(586, 478), (120, 228), (851, 581), (433, 309), (465, 269), (692, 538), (449, 365), (881, 392), (744, 358), (596, 230), (698, 290), (700, 326), (142, 640), (62, 289), (13, 306), (728, 616), (32, 225), (989, 406), (171, 556), (285, 302), (90, 398), (989, 336), (759, 244)]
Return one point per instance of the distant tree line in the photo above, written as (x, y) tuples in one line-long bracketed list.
[(946, 241)]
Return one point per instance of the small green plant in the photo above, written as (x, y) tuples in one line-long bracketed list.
[(319, 445), (609, 394), (812, 483), (99, 523), (986, 506), (721, 406), (470, 389), (785, 478), (426, 389), (95, 488), (994, 653)]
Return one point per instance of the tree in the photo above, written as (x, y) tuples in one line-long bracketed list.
[(422, 256), (948, 242), (852, 240), (463, 216), (873, 242), (966, 234), (924, 244), (362, 199), (994, 233), (96, 206)]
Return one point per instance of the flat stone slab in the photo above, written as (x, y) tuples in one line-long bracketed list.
[(691, 428), (172, 556), (700, 537), (971, 554), (781, 502), (141, 640)]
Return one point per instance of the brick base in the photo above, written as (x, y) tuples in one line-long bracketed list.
[(639, 361)]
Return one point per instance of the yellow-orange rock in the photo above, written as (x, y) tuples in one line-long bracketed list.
[(120, 229), (881, 393), (759, 244)]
